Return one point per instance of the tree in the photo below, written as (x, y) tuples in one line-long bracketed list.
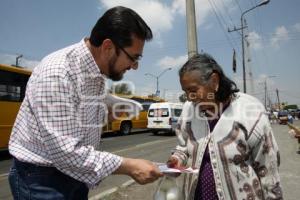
[(182, 98), (291, 107), (121, 88)]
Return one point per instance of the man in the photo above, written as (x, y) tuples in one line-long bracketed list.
[(57, 130)]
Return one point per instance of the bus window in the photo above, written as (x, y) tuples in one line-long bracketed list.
[(12, 86)]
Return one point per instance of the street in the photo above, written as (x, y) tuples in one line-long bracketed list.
[(289, 171), (137, 145), (157, 148)]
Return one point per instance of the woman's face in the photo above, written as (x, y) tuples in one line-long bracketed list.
[(199, 92)]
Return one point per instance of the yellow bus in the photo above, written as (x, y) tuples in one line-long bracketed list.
[(124, 126), (13, 82)]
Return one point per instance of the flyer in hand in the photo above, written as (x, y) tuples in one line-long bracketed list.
[(165, 169)]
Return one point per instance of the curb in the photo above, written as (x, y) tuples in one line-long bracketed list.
[(295, 128), (111, 191)]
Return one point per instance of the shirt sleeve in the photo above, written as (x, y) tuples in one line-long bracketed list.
[(55, 106), (181, 150), (266, 159)]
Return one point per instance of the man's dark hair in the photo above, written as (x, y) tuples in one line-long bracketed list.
[(206, 65), (119, 24)]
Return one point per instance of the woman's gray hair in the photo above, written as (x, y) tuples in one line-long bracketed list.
[(207, 65)]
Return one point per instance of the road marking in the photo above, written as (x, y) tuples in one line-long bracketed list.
[(142, 145), (101, 195), (124, 185), (3, 176)]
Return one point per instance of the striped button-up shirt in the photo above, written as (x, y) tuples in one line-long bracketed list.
[(59, 122)]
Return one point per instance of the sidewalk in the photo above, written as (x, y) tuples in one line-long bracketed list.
[(133, 191), (289, 172)]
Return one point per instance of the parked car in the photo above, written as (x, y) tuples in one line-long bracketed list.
[(283, 116), (298, 113), (163, 117)]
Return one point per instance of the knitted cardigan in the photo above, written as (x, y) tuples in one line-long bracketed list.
[(243, 151)]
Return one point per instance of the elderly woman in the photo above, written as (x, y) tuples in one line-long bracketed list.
[(226, 135)]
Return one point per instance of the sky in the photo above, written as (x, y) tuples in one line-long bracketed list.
[(35, 28)]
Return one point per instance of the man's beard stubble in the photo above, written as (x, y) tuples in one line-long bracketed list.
[(113, 74)]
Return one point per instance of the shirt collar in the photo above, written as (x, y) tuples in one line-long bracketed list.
[(88, 60)]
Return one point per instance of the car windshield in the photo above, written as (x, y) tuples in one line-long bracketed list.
[(283, 113)]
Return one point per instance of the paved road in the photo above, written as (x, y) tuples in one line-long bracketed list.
[(157, 148), (289, 171), (138, 145)]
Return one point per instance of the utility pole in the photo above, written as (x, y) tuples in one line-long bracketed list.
[(248, 63), (191, 28), (266, 93), (242, 30), (277, 92), (266, 89)]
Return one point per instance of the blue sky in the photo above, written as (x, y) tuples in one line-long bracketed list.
[(36, 28)]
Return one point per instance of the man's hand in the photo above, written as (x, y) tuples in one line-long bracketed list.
[(142, 171)]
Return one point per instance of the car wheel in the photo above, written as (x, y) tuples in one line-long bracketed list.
[(155, 132), (125, 128)]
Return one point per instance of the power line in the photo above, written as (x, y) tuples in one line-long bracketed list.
[(227, 12), (238, 5), (220, 23)]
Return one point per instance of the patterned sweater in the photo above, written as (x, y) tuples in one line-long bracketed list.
[(243, 151)]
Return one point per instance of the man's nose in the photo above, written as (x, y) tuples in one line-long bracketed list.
[(135, 65)]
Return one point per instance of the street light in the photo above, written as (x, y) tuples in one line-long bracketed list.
[(157, 77), (243, 50), (17, 60)]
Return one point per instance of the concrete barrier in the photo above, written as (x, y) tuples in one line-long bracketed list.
[(296, 135), (296, 129)]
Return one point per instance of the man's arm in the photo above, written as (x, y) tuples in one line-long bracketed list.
[(142, 171)]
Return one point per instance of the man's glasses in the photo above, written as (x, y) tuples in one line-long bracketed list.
[(135, 60)]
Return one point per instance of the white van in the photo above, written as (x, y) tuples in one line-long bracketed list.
[(163, 116)]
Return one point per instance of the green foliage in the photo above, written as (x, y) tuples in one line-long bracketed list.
[(121, 89), (292, 107), (183, 98)]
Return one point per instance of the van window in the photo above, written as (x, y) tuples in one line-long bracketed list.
[(176, 112), (151, 113), (160, 112)]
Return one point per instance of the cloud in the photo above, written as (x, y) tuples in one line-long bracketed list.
[(172, 62), (11, 60), (160, 16), (203, 8), (256, 87), (296, 27), (281, 35), (255, 40), (148, 10)]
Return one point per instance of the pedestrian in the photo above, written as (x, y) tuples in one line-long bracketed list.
[(226, 135), (290, 118), (57, 131)]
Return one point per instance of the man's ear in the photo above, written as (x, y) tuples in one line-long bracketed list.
[(108, 46), (215, 81)]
